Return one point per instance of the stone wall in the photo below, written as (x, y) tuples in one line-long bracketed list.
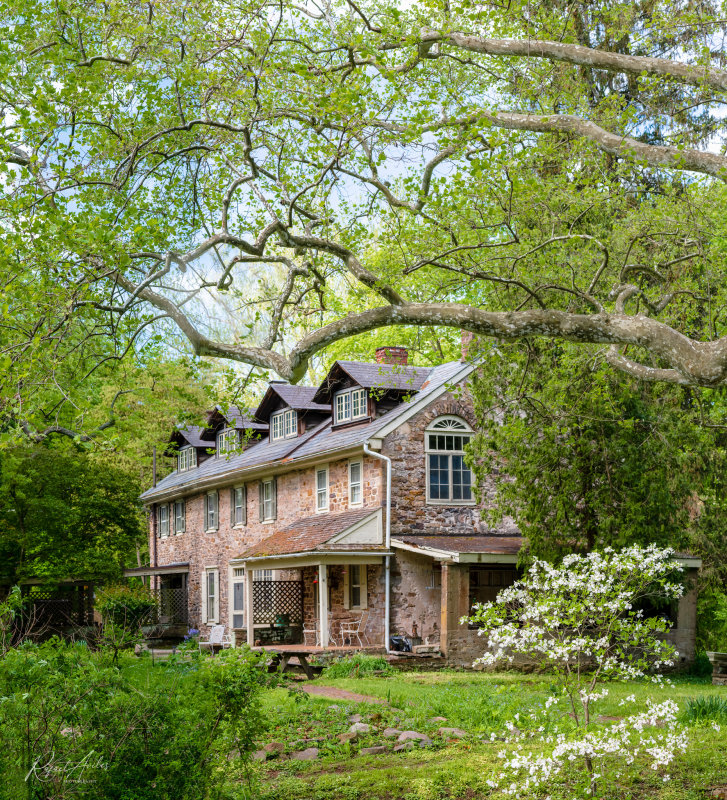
[(296, 500), (411, 514), (415, 601)]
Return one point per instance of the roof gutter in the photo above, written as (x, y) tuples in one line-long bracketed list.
[(387, 540)]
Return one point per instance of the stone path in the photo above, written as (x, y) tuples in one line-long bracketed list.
[(340, 694)]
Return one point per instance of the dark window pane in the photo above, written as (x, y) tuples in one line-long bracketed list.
[(438, 477)]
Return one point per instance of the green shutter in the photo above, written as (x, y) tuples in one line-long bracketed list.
[(261, 500), (275, 498), (206, 515), (244, 505), (232, 507)]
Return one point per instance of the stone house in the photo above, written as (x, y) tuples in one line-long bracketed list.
[(338, 515)]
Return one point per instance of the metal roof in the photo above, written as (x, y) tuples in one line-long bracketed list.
[(319, 440)]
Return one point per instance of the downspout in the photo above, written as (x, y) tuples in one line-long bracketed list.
[(387, 559)]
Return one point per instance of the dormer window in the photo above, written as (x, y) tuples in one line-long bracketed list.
[(186, 459), (227, 441), (284, 425), (351, 405)]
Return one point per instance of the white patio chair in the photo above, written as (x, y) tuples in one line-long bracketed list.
[(354, 628), (217, 638), (312, 633)]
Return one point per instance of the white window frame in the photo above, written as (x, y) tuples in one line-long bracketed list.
[(263, 575), (163, 520), (224, 438), (284, 425), (322, 492), (186, 458), (211, 601), (237, 576), (352, 484), (269, 504), (180, 520), (349, 585), (344, 402), (212, 515), (447, 426), (241, 506)]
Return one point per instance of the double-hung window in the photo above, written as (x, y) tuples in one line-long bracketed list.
[(238, 506), (227, 442), (449, 479), (163, 519), (211, 595), (211, 511), (284, 424), (238, 597), (186, 459), (268, 499), (350, 405), (355, 589), (322, 489), (180, 516), (355, 483)]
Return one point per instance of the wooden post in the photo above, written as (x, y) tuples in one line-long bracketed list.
[(323, 603), (249, 610), (454, 604)]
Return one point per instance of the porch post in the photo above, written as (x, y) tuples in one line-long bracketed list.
[(455, 604), (249, 610), (323, 603)]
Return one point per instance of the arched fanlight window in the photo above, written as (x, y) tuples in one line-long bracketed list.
[(449, 479)]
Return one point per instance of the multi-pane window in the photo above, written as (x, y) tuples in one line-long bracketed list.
[(238, 503), (186, 459), (351, 405), (355, 492), (163, 519), (227, 442), (211, 595), (262, 574), (211, 511), (268, 500), (449, 479), (322, 489), (180, 516), (284, 424), (238, 597)]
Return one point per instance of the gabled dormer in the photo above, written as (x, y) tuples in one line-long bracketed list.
[(188, 447), (359, 392), (230, 430), (290, 410)]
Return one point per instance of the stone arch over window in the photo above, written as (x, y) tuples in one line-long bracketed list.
[(449, 479)]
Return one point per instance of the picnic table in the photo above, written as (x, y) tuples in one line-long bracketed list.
[(282, 655)]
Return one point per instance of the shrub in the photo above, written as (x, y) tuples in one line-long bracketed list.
[(358, 665), (72, 727), (125, 605)]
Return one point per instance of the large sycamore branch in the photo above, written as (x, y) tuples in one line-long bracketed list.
[(690, 362), (583, 56)]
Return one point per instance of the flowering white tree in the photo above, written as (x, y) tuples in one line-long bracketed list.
[(581, 620)]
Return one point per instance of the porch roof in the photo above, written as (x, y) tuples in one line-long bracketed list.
[(167, 569), (473, 549), (314, 534)]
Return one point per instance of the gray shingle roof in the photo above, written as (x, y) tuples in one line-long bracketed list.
[(370, 376), (506, 545), (192, 435), (318, 440), (299, 398)]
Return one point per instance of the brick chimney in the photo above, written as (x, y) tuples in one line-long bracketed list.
[(392, 355), (466, 346)]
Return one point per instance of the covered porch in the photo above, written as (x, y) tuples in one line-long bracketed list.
[(324, 586), (170, 586)]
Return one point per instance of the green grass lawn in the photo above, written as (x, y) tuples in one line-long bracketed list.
[(480, 703)]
